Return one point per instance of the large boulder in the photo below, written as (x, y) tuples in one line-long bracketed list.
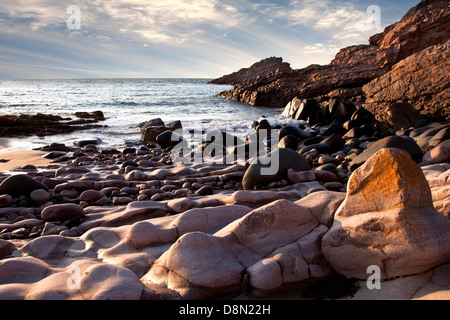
[(401, 142), (273, 167), (301, 109), (387, 220), (20, 185)]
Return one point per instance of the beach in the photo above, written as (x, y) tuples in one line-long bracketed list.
[(327, 182), (141, 217)]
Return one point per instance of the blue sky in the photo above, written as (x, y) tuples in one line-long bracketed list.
[(179, 38)]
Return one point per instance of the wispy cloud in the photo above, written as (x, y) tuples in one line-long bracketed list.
[(178, 37)]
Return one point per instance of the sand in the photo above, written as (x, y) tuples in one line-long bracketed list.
[(20, 158)]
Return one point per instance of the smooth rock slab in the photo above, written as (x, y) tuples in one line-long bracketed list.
[(273, 245)]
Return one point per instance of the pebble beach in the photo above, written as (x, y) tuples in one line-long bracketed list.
[(132, 224)]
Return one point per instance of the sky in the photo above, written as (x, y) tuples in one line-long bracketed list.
[(48, 39)]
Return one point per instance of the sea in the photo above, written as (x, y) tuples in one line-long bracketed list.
[(126, 103)]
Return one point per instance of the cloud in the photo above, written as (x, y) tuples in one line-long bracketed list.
[(204, 38), (338, 19)]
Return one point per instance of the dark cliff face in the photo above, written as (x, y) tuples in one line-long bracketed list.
[(262, 67), (273, 83)]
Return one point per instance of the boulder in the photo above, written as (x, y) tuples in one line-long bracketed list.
[(273, 167), (401, 142), (290, 142), (64, 211), (436, 155), (401, 116), (168, 139), (84, 142), (387, 220), (293, 131), (339, 110), (150, 133), (20, 185), (301, 109), (330, 144)]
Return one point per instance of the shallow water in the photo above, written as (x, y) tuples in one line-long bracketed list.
[(126, 103)]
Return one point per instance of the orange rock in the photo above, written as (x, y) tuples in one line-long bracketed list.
[(389, 179), (387, 220)]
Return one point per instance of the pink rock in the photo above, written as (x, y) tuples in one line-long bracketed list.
[(302, 176), (325, 175), (437, 155), (91, 195), (62, 212), (40, 195)]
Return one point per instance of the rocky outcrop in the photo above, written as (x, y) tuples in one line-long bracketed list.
[(427, 24), (47, 124), (421, 80), (262, 67), (276, 89), (356, 55)]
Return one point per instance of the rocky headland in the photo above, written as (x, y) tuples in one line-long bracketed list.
[(355, 207)]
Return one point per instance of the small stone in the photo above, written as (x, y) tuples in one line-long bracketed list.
[(68, 233), (197, 185), (328, 167), (102, 201), (333, 185), (71, 194), (205, 190), (327, 159), (5, 200), (186, 185), (142, 197), (181, 192), (157, 197), (324, 175), (169, 187), (302, 176), (91, 195), (131, 191), (51, 228), (122, 200), (40, 195)]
